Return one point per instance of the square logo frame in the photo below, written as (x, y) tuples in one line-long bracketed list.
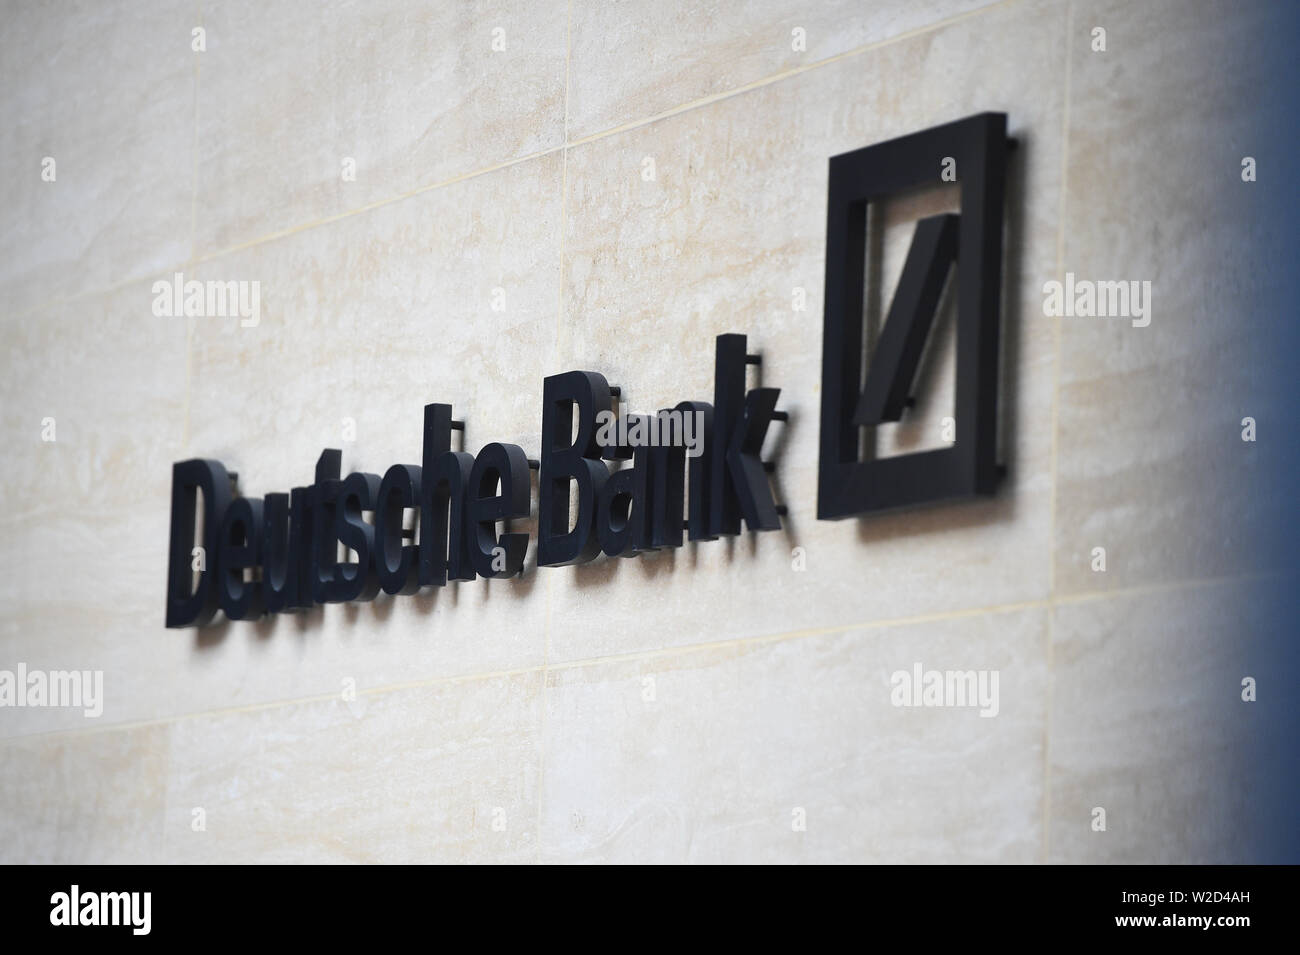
[(846, 484)]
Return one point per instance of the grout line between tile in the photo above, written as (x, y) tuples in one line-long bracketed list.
[(194, 142), (1052, 596), (709, 100), (194, 226), (1046, 604), (555, 350)]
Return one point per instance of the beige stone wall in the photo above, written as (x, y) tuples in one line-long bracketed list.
[(518, 173)]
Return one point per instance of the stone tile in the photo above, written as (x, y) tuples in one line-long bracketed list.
[(1151, 464), (372, 316), (415, 94), (631, 62), (737, 738), (83, 570), (732, 224), (1148, 723), (445, 773), (106, 90), (112, 377), (376, 315), (86, 592), (85, 799), (368, 318)]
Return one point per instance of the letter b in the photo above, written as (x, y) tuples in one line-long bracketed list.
[(586, 394)]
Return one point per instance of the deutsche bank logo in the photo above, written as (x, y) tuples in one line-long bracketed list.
[(850, 482), (694, 469)]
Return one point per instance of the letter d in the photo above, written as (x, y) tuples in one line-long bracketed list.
[(186, 607)]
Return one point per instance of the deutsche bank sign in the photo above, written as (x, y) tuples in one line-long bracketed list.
[(693, 472)]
